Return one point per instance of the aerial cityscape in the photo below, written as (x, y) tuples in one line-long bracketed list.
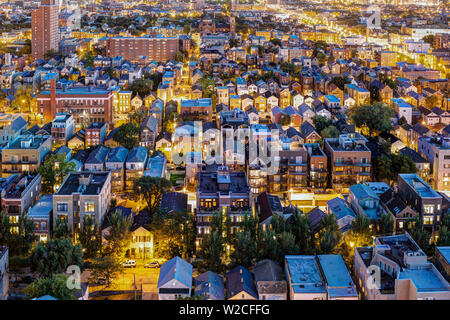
[(224, 150)]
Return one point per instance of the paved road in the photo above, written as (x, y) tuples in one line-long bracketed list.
[(146, 278)]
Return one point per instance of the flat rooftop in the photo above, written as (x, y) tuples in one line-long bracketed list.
[(419, 186), (42, 208), (86, 183), (28, 142), (445, 252), (305, 274), (425, 280), (209, 182)]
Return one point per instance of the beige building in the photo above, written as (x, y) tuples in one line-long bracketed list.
[(400, 271), (436, 150), (25, 154), (82, 194)]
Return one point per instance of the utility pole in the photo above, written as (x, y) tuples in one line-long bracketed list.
[(135, 294)]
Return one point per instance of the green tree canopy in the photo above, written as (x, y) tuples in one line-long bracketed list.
[(90, 237), (151, 189), (127, 135), (53, 171), (55, 285), (375, 118), (55, 256), (143, 87)]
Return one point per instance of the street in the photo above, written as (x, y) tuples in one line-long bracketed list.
[(146, 278)]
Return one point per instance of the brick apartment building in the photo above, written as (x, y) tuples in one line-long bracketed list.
[(348, 160), (86, 104), (222, 190), (134, 48), (44, 29)]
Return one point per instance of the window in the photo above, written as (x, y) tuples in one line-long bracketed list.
[(62, 206), (428, 208), (89, 206), (427, 220)]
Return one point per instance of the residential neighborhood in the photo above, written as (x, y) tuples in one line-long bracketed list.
[(252, 150)]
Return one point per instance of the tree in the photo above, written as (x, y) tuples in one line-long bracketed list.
[(22, 99), (269, 248), (54, 170), (373, 118), (156, 79), (187, 28), (90, 238), (340, 82), (429, 39), (431, 101), (178, 57), (330, 132), (127, 135), (105, 267), (55, 285), (88, 59), (174, 234), (212, 251), (287, 245), (301, 229), (110, 71), (245, 250), (208, 86), (61, 230), (321, 122), (286, 120), (143, 87), (117, 235), (386, 224), (420, 235), (19, 236), (137, 117), (388, 166), (55, 256), (329, 235), (443, 237), (152, 189)]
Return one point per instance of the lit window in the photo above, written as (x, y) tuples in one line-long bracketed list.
[(89, 206)]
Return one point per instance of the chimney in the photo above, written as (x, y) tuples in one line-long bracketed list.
[(52, 98)]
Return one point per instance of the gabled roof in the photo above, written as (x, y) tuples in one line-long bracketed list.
[(138, 154), (307, 129), (117, 154), (268, 270), (210, 285), (315, 217), (176, 269), (240, 279), (98, 155)]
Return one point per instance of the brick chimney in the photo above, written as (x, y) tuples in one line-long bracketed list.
[(52, 112)]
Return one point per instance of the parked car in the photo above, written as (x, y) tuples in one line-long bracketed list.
[(153, 264), (129, 264), (102, 281)]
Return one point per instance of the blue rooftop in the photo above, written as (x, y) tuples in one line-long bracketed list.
[(176, 269)]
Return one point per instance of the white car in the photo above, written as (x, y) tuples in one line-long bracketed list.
[(129, 264)]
